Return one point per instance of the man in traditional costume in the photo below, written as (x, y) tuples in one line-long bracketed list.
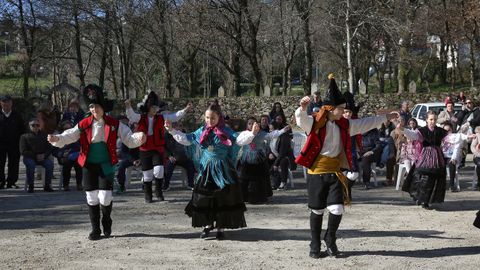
[(326, 151), (98, 134)]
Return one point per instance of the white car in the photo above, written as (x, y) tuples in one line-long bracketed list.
[(419, 111)]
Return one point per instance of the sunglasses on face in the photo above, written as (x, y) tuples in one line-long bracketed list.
[(34, 125)]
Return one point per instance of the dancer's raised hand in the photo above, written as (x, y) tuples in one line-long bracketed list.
[(304, 102), (255, 128), (128, 103)]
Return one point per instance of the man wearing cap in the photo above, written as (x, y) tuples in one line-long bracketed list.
[(12, 127), (36, 150), (98, 135), (326, 152), (152, 153)]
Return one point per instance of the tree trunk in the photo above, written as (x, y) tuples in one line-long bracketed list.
[(28, 43), (307, 44), (443, 61), (454, 60), (103, 63), (472, 63), (349, 51), (112, 71), (303, 7), (78, 47)]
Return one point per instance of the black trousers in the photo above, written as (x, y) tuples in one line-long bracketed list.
[(323, 190), (151, 159), (13, 156), (67, 172)]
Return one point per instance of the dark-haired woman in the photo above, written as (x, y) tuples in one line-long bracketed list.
[(217, 196), (276, 110), (253, 165), (426, 182), (284, 158)]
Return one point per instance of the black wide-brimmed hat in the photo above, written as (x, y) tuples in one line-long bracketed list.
[(151, 99), (93, 94), (333, 96)]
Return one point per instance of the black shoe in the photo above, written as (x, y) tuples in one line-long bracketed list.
[(30, 188), (454, 190), (314, 254), (366, 187), (106, 220), (220, 235), (66, 189), (47, 189), (9, 186), (426, 206), (205, 233), (2, 185)]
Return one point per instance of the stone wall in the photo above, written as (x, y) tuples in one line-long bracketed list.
[(243, 107)]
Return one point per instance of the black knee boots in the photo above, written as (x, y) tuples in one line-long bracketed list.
[(106, 219), (315, 230), (94, 213), (158, 189), (331, 234), (147, 188)]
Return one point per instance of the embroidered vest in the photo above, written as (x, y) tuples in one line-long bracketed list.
[(111, 131)]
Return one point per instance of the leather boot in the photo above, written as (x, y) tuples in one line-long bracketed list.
[(147, 188), (158, 189), (476, 223), (94, 213), (331, 234), (315, 230), (106, 219)]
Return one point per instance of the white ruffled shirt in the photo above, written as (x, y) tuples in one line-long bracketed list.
[(131, 140), (333, 144), (134, 117)]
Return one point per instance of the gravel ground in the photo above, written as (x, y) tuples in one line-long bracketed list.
[(382, 229)]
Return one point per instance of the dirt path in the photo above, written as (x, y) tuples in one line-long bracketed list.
[(381, 230)]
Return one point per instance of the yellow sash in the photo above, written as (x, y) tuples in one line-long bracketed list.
[(324, 164)]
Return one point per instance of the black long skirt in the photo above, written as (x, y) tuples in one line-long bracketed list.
[(255, 182), (426, 185), (210, 205)]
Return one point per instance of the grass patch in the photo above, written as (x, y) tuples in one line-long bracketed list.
[(14, 85)]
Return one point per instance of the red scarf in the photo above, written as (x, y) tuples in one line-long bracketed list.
[(219, 131)]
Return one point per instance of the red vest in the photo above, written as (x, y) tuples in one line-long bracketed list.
[(111, 131), (315, 141), (158, 129)]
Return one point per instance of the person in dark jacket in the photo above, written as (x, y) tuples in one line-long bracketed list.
[(36, 150), (74, 113), (405, 112), (463, 116), (177, 156), (67, 157), (285, 158), (276, 110), (371, 149), (12, 127)]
